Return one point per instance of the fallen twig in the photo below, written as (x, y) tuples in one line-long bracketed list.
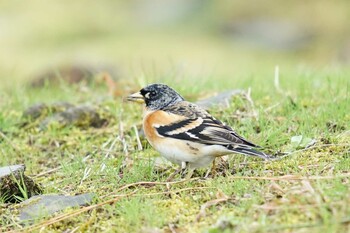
[(288, 177), (271, 207), (266, 110), (209, 204), (48, 172)]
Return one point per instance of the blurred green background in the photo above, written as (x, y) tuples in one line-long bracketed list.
[(159, 38)]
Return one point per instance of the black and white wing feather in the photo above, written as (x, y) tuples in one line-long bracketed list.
[(199, 126)]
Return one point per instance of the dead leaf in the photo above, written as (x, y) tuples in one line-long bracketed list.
[(221, 197), (307, 186), (117, 88), (275, 188)]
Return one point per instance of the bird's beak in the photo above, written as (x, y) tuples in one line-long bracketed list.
[(136, 97)]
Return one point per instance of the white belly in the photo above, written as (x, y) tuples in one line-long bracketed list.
[(196, 155), (176, 150)]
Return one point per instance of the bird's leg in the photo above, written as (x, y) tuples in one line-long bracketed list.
[(185, 169), (181, 170), (211, 170), (189, 173), (171, 177)]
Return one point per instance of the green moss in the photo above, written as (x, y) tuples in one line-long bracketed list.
[(103, 160)]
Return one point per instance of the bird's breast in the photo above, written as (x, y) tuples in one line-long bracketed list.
[(154, 119)]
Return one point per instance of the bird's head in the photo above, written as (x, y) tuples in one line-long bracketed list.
[(156, 96)]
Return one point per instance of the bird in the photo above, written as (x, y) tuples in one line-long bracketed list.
[(186, 134)]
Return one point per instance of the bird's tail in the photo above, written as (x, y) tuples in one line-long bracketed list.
[(249, 151)]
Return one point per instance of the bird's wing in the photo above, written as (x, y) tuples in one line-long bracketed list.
[(199, 126), (187, 121)]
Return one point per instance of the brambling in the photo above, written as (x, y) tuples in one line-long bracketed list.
[(184, 133)]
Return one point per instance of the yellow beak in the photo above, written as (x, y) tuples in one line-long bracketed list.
[(136, 97)]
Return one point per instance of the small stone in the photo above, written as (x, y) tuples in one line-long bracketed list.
[(80, 116), (222, 99), (4, 171), (13, 184), (60, 106), (36, 111), (62, 114), (44, 205)]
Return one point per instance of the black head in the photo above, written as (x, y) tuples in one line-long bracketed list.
[(157, 96)]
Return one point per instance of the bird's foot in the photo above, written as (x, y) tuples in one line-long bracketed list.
[(172, 175), (182, 170)]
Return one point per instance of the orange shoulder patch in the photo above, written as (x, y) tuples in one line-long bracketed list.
[(158, 118)]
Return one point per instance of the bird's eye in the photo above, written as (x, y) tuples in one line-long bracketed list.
[(153, 93)]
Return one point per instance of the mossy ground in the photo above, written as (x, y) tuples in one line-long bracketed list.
[(307, 191), (258, 196)]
